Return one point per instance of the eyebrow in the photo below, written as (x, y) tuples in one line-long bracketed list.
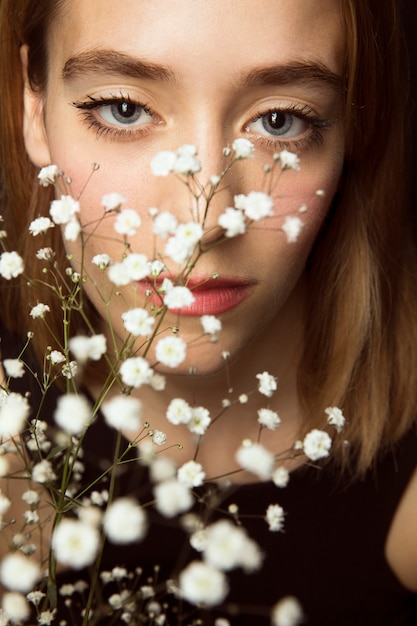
[(305, 72), (113, 62)]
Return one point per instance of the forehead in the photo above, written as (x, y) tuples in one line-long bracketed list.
[(212, 37)]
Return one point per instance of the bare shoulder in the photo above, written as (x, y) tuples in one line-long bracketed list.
[(401, 545)]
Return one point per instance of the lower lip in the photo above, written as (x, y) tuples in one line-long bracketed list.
[(213, 301)]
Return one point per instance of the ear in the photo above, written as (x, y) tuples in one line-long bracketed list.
[(34, 134)]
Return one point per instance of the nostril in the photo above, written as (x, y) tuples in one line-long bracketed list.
[(211, 236)]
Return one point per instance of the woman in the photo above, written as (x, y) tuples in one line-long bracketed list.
[(331, 315)]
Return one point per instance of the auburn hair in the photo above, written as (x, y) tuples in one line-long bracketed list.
[(361, 317)]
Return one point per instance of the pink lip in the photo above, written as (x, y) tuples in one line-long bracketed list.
[(211, 297)]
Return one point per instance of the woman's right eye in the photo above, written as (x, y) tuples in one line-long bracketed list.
[(118, 114), (124, 113)]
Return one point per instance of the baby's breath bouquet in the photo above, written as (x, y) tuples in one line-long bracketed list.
[(72, 515)]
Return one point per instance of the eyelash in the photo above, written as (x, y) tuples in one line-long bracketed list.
[(316, 124)]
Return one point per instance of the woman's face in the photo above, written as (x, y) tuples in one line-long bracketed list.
[(129, 81)]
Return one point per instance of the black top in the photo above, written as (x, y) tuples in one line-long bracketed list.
[(330, 555)]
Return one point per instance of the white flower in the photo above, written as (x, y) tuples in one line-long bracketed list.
[(275, 517), (47, 175), (211, 324), (289, 160), (170, 351), (39, 310), (135, 372), (281, 476), (19, 573), (118, 274), (162, 468), (45, 254), (5, 504), (35, 597), (69, 370), (45, 618), (191, 474), (112, 201), (243, 148), (156, 267), (4, 465), (75, 543), (16, 607), (178, 297), (85, 348), (56, 357), (267, 384), (335, 417), (14, 368), (181, 246), (124, 521), (317, 444), (127, 222), (123, 413), (136, 266), (31, 497), (233, 222), (228, 546), (42, 472), (269, 419), (163, 163), (101, 260), (258, 205), (201, 583), (164, 224), (40, 225), (254, 458), (11, 265), (157, 382), (14, 411), (179, 412), (172, 498), (292, 227), (73, 413), (186, 163), (138, 322), (72, 230), (200, 420), (158, 437), (63, 210), (287, 612)]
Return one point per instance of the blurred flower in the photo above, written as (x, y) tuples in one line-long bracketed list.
[(191, 474), (14, 368), (135, 372), (233, 222), (254, 458), (211, 324), (178, 297), (14, 411), (292, 227), (11, 265), (243, 148), (179, 411), (43, 472), (40, 225), (172, 498), (39, 310), (127, 222), (15, 607), (63, 210), (335, 417), (112, 201), (73, 413), (170, 351), (287, 612), (75, 543), (19, 573), (317, 444), (164, 224), (123, 413), (124, 521), (288, 160), (269, 419), (267, 384), (281, 476), (275, 517), (201, 583), (85, 348)]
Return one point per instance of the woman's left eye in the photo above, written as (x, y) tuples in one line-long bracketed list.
[(115, 114), (124, 113), (279, 124)]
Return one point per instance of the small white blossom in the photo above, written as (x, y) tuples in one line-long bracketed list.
[(75, 543), (15, 607), (73, 413), (135, 372), (164, 224), (172, 498), (72, 230), (281, 476), (5, 504), (170, 351), (162, 468), (42, 472), (4, 466), (289, 160), (228, 546), (335, 417), (69, 370), (45, 618), (186, 163), (127, 222), (85, 348), (287, 612), (267, 384), (56, 357), (255, 458), (112, 201), (157, 382), (200, 420), (31, 517), (14, 368), (258, 205), (178, 297), (123, 413), (292, 227), (269, 419), (48, 175), (63, 210), (39, 310), (124, 521), (138, 322), (35, 597), (181, 246), (191, 474), (14, 411), (179, 412), (317, 444), (211, 324), (156, 267), (19, 573), (101, 260), (118, 274), (45, 254), (40, 226), (158, 437), (243, 148), (201, 583), (275, 517), (136, 266), (163, 163), (11, 265), (31, 497), (233, 222)]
